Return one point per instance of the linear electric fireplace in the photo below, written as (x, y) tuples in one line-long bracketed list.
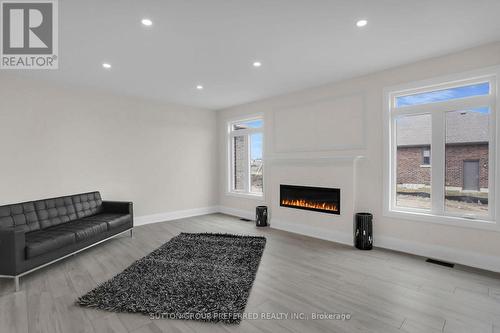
[(318, 199)]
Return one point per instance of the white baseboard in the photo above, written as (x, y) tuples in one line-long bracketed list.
[(334, 236), (237, 212), (456, 256), (467, 258), (175, 215)]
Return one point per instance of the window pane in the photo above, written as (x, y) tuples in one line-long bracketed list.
[(413, 178), (467, 144), (444, 95), (248, 124), (256, 163), (240, 144), (426, 156)]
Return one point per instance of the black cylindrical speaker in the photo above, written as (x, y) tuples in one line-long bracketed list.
[(261, 216), (363, 231)]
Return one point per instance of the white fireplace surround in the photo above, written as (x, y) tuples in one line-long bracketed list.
[(335, 171)]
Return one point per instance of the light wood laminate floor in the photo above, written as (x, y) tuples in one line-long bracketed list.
[(383, 291)]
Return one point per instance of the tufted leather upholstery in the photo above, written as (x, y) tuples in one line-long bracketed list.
[(43, 241), (87, 204), (35, 233), (22, 214), (52, 212), (47, 213)]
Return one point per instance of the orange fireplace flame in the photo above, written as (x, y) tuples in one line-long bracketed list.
[(309, 204)]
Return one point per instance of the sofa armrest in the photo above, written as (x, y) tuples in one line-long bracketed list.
[(118, 207), (12, 249)]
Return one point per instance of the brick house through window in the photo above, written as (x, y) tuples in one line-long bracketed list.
[(441, 138), (246, 162), (466, 152)]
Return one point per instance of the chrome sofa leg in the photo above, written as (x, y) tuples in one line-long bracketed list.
[(131, 233), (16, 282)]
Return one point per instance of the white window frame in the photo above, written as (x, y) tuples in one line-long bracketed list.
[(231, 134), (423, 164), (438, 110)]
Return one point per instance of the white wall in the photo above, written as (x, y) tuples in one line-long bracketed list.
[(56, 140), (306, 124)]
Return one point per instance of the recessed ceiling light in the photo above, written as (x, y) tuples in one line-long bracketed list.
[(147, 22), (106, 65), (199, 87), (257, 64), (361, 23)]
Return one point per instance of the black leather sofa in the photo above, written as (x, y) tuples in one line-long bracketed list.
[(37, 233)]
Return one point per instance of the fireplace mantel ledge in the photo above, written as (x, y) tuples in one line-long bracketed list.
[(310, 159)]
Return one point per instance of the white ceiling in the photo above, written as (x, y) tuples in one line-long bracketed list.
[(301, 43)]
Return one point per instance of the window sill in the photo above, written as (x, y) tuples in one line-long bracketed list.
[(258, 197), (425, 165), (454, 221)]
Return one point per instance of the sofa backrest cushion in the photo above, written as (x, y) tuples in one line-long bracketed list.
[(41, 214), (22, 214), (55, 211), (87, 204)]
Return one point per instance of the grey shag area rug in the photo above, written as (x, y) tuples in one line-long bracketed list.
[(203, 276)]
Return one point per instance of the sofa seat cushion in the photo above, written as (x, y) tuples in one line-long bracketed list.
[(44, 241), (83, 230), (113, 220)]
